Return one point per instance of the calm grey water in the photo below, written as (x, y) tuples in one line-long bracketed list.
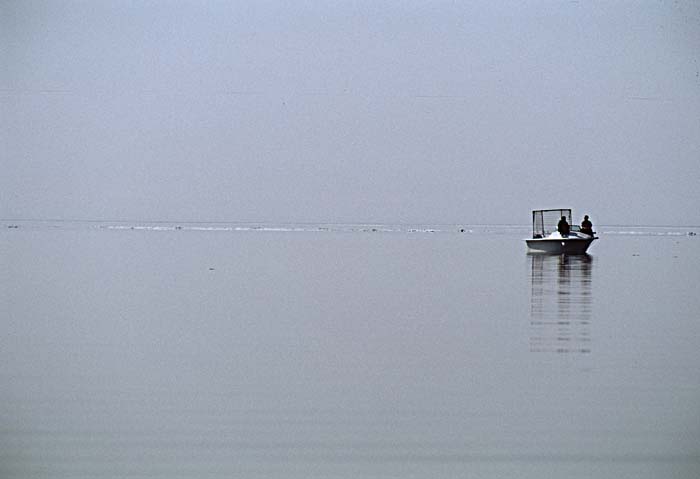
[(216, 351)]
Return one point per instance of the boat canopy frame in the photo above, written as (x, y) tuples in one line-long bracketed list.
[(544, 222)]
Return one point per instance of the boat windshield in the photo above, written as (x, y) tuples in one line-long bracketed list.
[(544, 222)]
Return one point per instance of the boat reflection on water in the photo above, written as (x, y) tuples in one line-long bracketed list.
[(560, 303)]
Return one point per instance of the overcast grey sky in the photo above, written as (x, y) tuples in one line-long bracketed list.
[(365, 111)]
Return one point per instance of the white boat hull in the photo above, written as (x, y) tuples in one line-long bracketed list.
[(559, 246)]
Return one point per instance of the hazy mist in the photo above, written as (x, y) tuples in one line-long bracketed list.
[(440, 112)]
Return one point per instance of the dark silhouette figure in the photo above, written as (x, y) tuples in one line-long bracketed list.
[(586, 226), (563, 226)]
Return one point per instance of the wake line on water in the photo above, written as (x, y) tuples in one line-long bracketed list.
[(203, 226), (212, 227), (649, 233), (281, 229)]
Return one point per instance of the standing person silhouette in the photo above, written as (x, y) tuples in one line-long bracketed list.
[(563, 226), (586, 226)]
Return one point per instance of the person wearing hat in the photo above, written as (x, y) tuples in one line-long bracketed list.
[(586, 226)]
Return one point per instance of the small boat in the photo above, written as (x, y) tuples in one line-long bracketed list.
[(547, 239)]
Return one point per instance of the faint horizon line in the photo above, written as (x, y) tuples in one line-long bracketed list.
[(363, 223)]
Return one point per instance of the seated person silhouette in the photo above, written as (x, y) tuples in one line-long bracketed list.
[(563, 226), (586, 226)]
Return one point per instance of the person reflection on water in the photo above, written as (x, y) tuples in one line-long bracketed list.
[(563, 226), (586, 226)]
